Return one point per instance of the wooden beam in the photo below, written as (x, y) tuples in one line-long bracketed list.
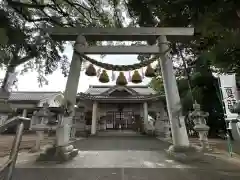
[(117, 49), (117, 34)]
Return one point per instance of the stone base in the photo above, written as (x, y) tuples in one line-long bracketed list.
[(150, 132), (58, 154), (82, 134), (185, 153), (34, 150), (92, 135)]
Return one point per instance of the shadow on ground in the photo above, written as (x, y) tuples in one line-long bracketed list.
[(141, 143)]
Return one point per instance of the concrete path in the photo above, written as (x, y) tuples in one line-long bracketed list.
[(126, 158)]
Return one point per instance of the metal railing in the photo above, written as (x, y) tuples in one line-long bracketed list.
[(6, 170)]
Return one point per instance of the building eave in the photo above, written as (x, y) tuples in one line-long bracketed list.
[(105, 98)]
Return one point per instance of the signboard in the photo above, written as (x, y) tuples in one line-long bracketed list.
[(229, 94)]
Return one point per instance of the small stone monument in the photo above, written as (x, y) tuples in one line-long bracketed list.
[(199, 119)]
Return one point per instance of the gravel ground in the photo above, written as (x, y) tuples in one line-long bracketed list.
[(28, 142)]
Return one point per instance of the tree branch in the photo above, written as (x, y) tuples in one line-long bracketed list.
[(24, 59), (27, 5)]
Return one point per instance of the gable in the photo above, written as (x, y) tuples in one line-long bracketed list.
[(105, 89), (120, 91)]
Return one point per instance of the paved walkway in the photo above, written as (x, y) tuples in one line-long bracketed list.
[(127, 158)]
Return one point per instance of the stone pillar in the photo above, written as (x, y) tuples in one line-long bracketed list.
[(24, 114), (39, 138), (178, 128), (94, 118), (63, 130), (145, 115), (181, 149)]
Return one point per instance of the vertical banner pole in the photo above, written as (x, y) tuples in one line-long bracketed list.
[(228, 91)]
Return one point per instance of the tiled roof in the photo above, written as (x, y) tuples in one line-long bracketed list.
[(98, 89), (31, 96), (83, 96)]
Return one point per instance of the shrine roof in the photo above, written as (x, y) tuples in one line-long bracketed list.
[(152, 97), (31, 95), (134, 93), (140, 89)]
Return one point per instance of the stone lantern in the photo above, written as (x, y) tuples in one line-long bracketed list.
[(199, 119), (41, 119), (235, 123), (40, 122)]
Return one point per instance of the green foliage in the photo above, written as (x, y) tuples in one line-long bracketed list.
[(157, 84), (25, 23), (216, 24), (3, 37), (204, 89)]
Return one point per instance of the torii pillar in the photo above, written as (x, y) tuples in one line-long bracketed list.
[(179, 133), (64, 129), (181, 145)]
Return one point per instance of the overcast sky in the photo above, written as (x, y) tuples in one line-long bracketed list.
[(28, 81)]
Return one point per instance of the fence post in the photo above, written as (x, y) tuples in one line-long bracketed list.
[(15, 148)]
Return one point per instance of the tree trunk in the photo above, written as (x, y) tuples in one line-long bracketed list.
[(10, 69)]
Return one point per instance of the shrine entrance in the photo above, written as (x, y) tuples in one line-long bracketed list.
[(120, 120)]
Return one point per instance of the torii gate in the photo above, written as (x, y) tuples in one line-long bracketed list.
[(82, 35)]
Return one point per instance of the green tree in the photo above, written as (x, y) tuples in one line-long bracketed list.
[(23, 37), (204, 90), (214, 47), (216, 24)]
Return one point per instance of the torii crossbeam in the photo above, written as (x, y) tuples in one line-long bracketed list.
[(118, 34)]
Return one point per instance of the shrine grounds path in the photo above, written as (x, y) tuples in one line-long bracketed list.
[(127, 157)]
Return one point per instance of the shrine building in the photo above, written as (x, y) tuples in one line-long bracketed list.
[(102, 107)]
